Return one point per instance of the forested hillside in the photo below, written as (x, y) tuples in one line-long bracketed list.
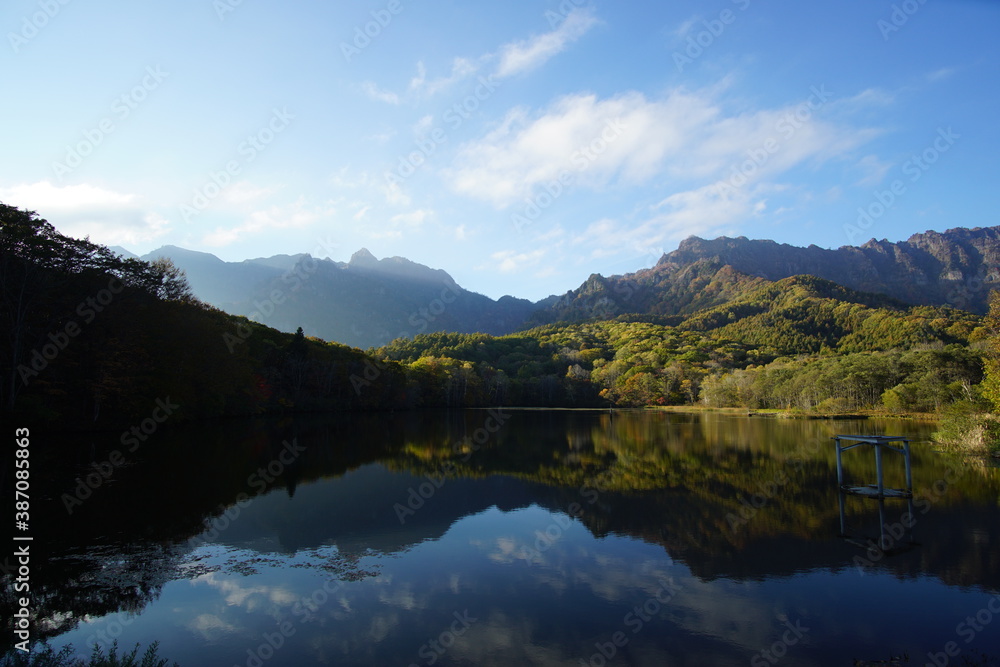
[(91, 338), (833, 355), (94, 338)]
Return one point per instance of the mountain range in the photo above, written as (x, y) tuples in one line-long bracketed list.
[(367, 302)]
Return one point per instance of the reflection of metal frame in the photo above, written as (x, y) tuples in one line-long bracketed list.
[(889, 543), (879, 442)]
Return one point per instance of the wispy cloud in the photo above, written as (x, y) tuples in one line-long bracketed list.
[(510, 261), (682, 30), (686, 139), (412, 218), (402, 224), (873, 170), (525, 55), (243, 192), (461, 68), (702, 211), (296, 215), (513, 58), (940, 74), (379, 95)]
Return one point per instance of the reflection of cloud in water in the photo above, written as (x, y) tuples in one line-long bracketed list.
[(507, 550), (573, 570), (400, 596), (381, 626), (252, 598), (621, 571), (737, 615), (211, 627)]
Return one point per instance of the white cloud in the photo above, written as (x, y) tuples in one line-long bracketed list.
[(49, 197), (106, 216), (591, 139), (528, 54)]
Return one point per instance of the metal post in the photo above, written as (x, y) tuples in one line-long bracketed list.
[(909, 470), (843, 514), (840, 464), (878, 468)]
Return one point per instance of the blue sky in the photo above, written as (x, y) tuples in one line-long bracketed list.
[(521, 146)]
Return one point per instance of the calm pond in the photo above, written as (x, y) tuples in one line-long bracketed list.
[(515, 538)]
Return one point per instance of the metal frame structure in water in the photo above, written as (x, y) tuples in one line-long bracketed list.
[(879, 442)]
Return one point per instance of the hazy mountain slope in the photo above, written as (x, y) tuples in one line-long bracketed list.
[(222, 284), (368, 302), (365, 302)]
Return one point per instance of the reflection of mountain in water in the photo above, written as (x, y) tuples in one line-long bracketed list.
[(672, 480)]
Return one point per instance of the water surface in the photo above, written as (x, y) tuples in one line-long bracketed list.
[(520, 537)]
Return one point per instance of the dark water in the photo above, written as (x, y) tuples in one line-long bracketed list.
[(520, 538)]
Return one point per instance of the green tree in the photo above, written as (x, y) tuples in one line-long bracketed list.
[(991, 362)]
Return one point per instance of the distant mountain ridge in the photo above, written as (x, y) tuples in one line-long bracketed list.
[(366, 302), (956, 268)]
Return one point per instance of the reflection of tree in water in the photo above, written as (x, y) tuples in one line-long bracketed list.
[(333, 562), (731, 497), (93, 582), (118, 578), (131, 536)]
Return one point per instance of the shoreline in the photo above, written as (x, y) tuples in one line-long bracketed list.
[(781, 413)]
